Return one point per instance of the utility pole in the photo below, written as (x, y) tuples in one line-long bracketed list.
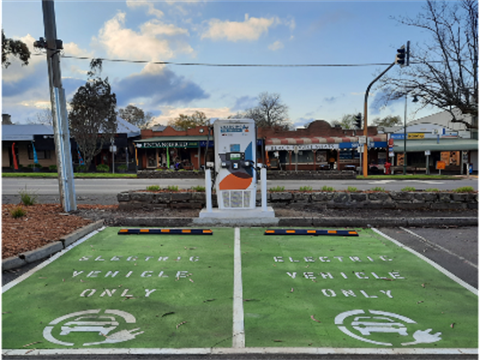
[(59, 109)]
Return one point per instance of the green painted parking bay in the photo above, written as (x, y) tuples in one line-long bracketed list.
[(239, 289)]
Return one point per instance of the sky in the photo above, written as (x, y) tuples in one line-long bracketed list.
[(216, 32)]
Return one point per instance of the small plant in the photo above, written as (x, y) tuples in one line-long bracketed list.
[(173, 188), (408, 188), (52, 168), (122, 168), (432, 190), (306, 188), (277, 189), (352, 189), (464, 189), (103, 168), (327, 188), (28, 198), (378, 188), (153, 188), (82, 168), (17, 212), (198, 188)]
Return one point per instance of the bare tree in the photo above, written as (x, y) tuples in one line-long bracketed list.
[(443, 71), (43, 117), (270, 112)]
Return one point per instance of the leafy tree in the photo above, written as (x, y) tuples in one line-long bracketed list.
[(270, 111), (186, 122), (443, 71), (15, 48), (135, 116), (347, 122), (93, 117), (388, 121)]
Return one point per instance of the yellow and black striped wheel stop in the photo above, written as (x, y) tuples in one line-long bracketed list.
[(165, 232)]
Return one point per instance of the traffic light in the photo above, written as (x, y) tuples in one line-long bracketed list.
[(358, 121), (400, 59)]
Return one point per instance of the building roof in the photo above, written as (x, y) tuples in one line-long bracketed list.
[(24, 132), (124, 127)]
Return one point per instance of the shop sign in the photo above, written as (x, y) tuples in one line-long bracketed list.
[(416, 136), (167, 144), (301, 147)]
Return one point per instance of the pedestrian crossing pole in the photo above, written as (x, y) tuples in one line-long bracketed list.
[(59, 110)]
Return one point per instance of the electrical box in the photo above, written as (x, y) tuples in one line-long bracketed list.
[(235, 162)]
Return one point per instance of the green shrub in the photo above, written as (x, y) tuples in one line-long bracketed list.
[(306, 188), (464, 189), (172, 188), (408, 188), (28, 198), (32, 166), (153, 188), (52, 168), (18, 212), (327, 188), (122, 167), (277, 189), (81, 168), (432, 190), (352, 189), (198, 188), (378, 188), (103, 168)]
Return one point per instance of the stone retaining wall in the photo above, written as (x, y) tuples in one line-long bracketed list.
[(309, 200)]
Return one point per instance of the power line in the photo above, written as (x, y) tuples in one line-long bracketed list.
[(226, 65)]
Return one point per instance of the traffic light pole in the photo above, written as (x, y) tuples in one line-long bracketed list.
[(59, 111), (365, 118)]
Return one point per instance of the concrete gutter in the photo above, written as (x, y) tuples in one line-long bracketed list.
[(49, 249), (305, 222)]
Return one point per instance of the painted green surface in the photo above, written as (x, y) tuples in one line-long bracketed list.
[(201, 296), (279, 308)]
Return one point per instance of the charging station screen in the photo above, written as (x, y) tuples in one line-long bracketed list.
[(234, 147), (235, 156)]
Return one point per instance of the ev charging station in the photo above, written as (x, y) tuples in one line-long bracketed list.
[(236, 173)]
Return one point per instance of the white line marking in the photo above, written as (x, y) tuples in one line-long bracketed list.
[(47, 262), (434, 264), (253, 350), (238, 339), (440, 247)]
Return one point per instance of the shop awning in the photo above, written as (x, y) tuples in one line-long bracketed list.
[(432, 145), (316, 142)]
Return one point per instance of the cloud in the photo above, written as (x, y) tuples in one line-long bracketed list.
[(277, 45), (150, 7), (169, 113), (155, 40), (249, 30), (245, 102), (156, 85), (330, 100)]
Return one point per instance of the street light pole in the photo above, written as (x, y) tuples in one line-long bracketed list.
[(405, 138), (365, 118)]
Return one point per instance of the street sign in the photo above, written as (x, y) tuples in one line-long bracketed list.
[(427, 152), (362, 140), (440, 165)]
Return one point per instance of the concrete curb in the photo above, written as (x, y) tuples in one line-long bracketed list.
[(313, 221), (49, 249)]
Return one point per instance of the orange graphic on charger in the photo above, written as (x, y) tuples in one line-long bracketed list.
[(236, 181)]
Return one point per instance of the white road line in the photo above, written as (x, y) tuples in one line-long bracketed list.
[(48, 261), (238, 339), (432, 244), (434, 264)]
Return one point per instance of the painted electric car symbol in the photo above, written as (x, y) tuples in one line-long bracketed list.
[(95, 324), (371, 326), (378, 324), (92, 321)]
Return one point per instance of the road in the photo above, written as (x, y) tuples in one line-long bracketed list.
[(84, 187)]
